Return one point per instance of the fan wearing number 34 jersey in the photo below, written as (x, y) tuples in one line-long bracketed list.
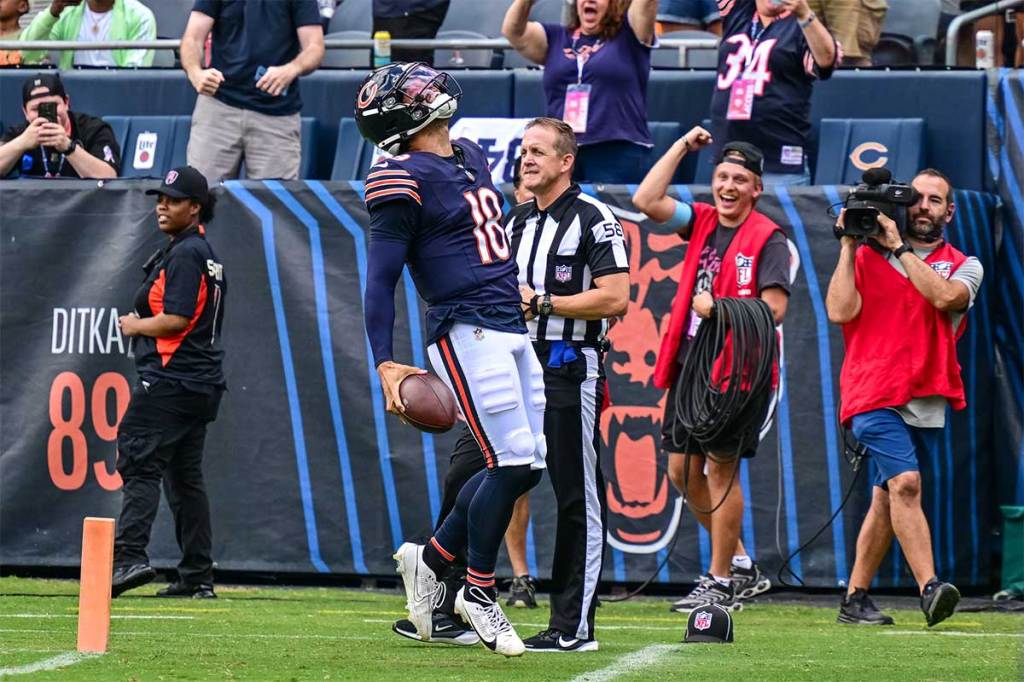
[(433, 207)]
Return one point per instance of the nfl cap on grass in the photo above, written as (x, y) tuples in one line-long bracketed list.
[(709, 623)]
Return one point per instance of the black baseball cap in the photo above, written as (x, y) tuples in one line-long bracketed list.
[(709, 623), (50, 81), (743, 154), (184, 182)]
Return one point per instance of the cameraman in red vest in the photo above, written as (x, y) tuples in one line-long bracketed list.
[(733, 251), (901, 300)]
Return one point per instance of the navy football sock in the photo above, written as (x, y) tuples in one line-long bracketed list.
[(450, 538), (489, 513)]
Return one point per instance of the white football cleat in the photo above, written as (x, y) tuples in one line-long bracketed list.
[(420, 586), (485, 616)]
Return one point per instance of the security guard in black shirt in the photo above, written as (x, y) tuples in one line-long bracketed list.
[(176, 339), (574, 276)]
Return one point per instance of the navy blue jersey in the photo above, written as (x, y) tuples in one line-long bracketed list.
[(447, 214), (777, 63)]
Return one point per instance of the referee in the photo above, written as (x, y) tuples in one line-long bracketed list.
[(573, 275)]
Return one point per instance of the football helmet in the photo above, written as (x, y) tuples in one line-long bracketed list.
[(398, 100)]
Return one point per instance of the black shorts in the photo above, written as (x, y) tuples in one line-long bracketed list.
[(675, 438)]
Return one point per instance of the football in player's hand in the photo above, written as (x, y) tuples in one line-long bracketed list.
[(429, 404)]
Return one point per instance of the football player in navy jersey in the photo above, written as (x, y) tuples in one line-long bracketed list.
[(772, 52), (433, 206)]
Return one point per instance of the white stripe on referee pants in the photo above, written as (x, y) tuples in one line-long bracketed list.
[(595, 528)]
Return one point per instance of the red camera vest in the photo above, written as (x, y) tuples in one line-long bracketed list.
[(736, 279), (900, 346)]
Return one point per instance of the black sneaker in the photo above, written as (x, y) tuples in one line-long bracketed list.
[(554, 640), (129, 577), (445, 630), (522, 593), (749, 582), (708, 591), (938, 601), (188, 590), (858, 609)]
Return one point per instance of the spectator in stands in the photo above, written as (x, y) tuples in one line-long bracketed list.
[(856, 25), (94, 21), (771, 54), (689, 15), (595, 78), (409, 19), (11, 12), (74, 146), (248, 104)]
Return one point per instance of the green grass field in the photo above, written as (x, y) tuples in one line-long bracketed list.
[(342, 634)]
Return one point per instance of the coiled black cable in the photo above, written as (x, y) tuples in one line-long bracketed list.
[(733, 407), (710, 412)]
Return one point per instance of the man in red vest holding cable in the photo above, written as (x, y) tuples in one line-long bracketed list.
[(901, 300), (733, 252)]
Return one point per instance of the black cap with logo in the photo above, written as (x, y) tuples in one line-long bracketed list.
[(743, 154), (184, 182), (50, 82), (709, 623)]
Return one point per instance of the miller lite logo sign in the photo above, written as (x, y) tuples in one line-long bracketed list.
[(943, 267), (744, 269), (563, 273), (703, 620), (145, 150)]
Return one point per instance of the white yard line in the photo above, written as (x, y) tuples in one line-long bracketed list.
[(630, 663), (52, 663), (947, 633), (75, 615)]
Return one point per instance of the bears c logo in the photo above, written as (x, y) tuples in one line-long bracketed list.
[(366, 94)]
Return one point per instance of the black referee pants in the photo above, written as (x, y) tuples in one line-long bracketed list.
[(160, 438), (574, 392)]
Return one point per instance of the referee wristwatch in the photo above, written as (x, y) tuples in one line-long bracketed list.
[(541, 305)]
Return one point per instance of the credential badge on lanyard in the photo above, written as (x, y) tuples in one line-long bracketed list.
[(577, 95), (741, 95)]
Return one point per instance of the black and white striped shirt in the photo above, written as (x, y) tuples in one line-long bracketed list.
[(561, 251)]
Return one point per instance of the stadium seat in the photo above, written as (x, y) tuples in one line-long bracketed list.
[(119, 124), (910, 31), (705, 164), (347, 59), (309, 129), (352, 153), (472, 15), (462, 59), (353, 15), (849, 146), (149, 147), (549, 11), (663, 134), (182, 131), (695, 58), (171, 16)]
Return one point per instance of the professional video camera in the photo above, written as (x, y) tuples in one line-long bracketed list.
[(876, 194)]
